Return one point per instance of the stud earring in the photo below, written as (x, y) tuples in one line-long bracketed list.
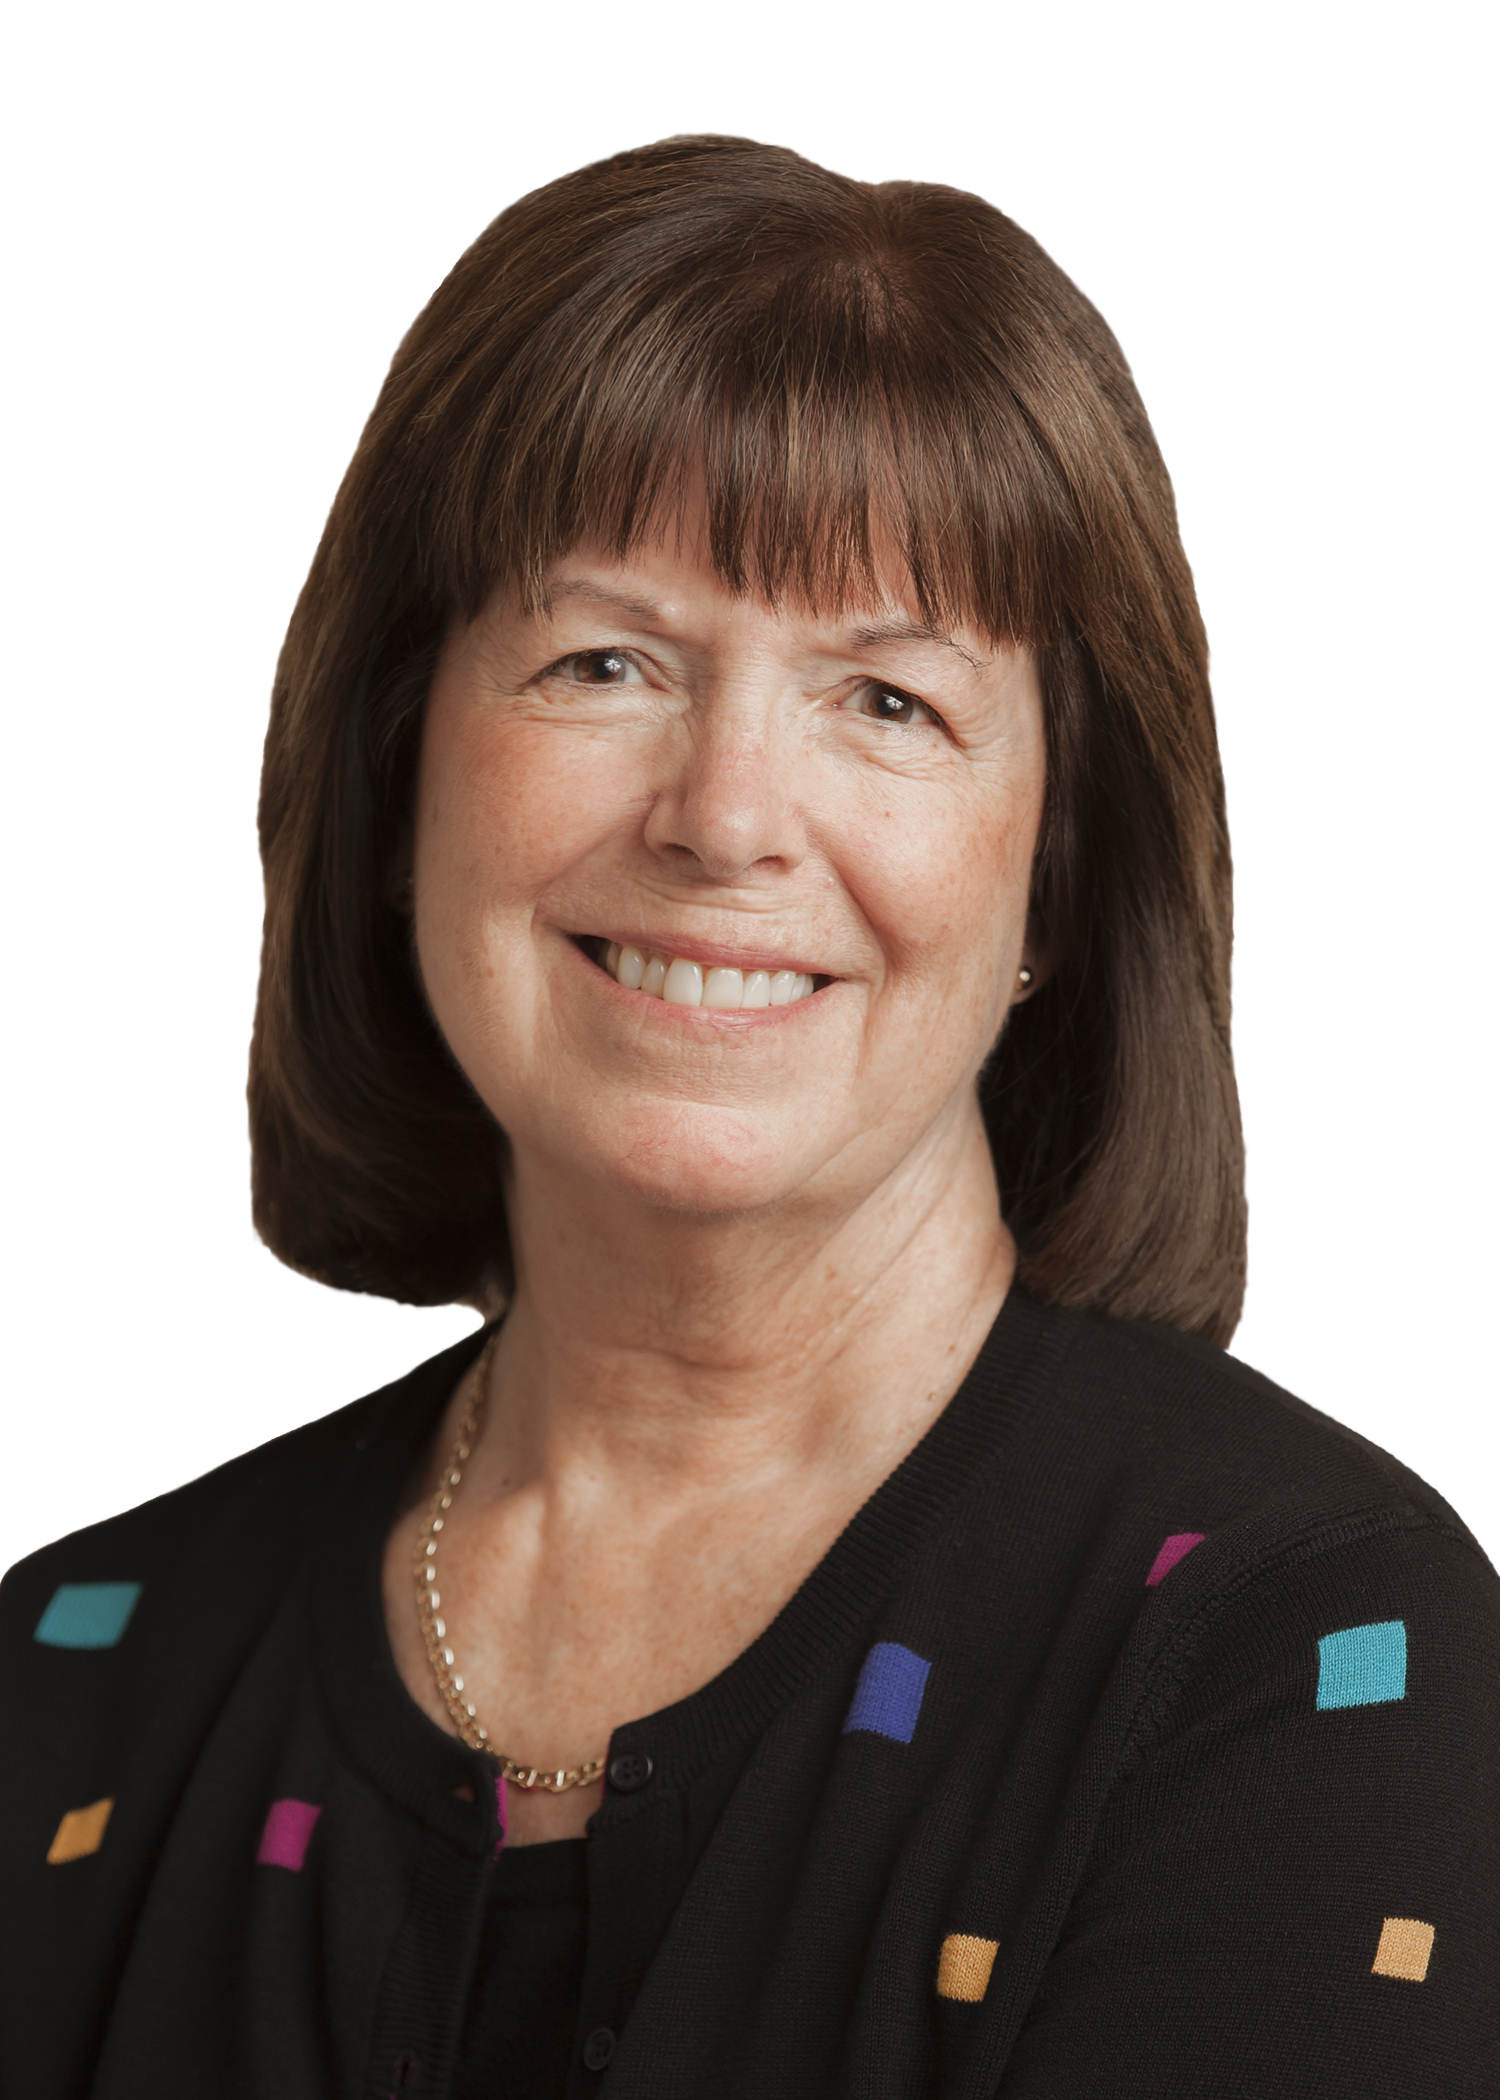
[(1024, 977)]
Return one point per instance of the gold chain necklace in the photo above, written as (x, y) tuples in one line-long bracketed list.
[(450, 1682)]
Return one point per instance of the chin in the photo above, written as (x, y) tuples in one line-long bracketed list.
[(702, 1162)]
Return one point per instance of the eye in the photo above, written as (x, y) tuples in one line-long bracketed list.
[(593, 667), (887, 703)]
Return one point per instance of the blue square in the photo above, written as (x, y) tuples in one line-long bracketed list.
[(87, 1614), (888, 1696), (1363, 1665)]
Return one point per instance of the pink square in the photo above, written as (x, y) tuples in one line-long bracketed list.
[(1173, 1550), (288, 1831)]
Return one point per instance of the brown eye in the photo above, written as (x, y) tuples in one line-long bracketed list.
[(610, 670), (600, 667), (887, 703)]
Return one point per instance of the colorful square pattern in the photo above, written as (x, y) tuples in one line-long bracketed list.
[(87, 1614), (888, 1697), (1170, 1551), (80, 1832), (1405, 1949), (288, 1833), (1362, 1665), (964, 1967)]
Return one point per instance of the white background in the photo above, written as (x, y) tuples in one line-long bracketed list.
[(223, 219)]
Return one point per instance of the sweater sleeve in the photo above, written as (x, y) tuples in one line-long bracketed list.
[(1295, 1888)]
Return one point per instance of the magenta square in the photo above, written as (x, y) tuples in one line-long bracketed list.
[(288, 1831), (1173, 1550)]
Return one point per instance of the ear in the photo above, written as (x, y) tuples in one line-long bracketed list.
[(1038, 963)]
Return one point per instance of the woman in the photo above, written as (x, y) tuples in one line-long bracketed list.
[(748, 908)]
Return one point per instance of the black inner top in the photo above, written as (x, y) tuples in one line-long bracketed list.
[(523, 2008)]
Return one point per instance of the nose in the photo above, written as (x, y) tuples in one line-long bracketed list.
[(727, 808)]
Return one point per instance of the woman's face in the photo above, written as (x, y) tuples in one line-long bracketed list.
[(735, 787)]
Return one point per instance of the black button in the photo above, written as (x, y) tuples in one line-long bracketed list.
[(598, 2049), (629, 1771)]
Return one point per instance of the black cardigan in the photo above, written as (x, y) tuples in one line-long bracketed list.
[(1137, 1738)]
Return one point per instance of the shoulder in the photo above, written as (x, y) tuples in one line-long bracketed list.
[(121, 1646), (1175, 1420), (251, 1514), (1264, 1536), (1218, 1512)]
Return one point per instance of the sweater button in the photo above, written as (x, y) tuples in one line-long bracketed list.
[(629, 1771), (598, 2049)]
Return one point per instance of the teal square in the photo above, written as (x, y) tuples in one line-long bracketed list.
[(1363, 1665), (87, 1614)]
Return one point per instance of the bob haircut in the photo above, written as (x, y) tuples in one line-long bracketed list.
[(830, 360)]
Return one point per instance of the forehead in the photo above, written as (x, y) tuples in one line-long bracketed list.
[(675, 598), (669, 578)]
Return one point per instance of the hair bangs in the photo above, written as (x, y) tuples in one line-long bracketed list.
[(838, 443)]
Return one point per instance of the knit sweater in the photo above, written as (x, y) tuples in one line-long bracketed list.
[(1140, 1736)]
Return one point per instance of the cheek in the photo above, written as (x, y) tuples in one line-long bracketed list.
[(504, 810), (945, 884)]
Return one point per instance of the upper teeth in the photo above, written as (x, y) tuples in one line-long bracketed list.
[(683, 983)]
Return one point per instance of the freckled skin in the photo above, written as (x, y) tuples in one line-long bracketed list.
[(755, 1252)]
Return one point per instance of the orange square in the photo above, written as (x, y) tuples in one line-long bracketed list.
[(1405, 1949), (80, 1832), (964, 1967)]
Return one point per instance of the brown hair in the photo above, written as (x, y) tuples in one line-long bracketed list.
[(829, 355)]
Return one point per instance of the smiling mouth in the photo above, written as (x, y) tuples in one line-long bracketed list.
[(679, 982)]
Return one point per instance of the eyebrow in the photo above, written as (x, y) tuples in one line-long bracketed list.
[(641, 610), (647, 614), (909, 631)]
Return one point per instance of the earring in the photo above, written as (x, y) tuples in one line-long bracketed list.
[(1024, 976)]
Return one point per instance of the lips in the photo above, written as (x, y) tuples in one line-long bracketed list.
[(679, 981)]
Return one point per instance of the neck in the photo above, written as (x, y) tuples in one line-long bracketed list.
[(695, 1348)]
